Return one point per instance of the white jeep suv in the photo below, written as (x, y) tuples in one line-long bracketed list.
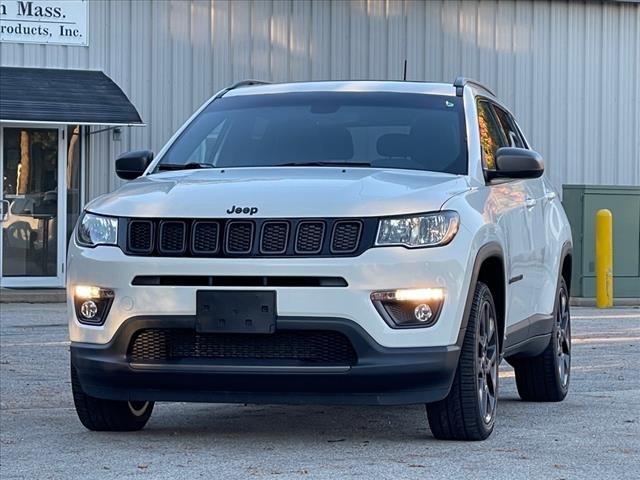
[(325, 242)]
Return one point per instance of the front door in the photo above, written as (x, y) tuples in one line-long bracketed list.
[(33, 206)]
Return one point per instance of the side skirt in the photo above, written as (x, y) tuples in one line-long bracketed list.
[(529, 337)]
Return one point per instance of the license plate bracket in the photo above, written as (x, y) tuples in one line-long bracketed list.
[(235, 311)]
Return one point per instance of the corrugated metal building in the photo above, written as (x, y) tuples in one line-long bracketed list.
[(569, 70)]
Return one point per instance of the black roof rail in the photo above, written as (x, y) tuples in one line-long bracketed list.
[(460, 82), (242, 83)]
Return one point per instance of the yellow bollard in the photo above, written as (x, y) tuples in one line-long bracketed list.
[(604, 259)]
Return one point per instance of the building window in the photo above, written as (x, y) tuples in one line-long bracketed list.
[(30, 198)]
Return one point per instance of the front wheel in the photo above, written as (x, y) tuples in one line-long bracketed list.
[(108, 415), (468, 412), (545, 378)]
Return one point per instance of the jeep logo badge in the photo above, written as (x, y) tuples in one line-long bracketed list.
[(249, 210)]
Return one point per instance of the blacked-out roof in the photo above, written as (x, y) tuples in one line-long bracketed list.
[(63, 96)]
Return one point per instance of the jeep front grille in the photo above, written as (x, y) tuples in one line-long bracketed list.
[(205, 238), (244, 237), (172, 237), (309, 237), (274, 237), (239, 237), (346, 235), (140, 236)]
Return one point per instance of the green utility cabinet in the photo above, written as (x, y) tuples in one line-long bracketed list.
[(581, 202)]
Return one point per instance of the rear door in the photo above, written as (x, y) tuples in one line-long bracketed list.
[(541, 267)]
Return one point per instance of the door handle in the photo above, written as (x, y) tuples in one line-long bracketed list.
[(550, 195), (530, 202)]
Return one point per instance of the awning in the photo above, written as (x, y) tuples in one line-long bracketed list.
[(44, 95)]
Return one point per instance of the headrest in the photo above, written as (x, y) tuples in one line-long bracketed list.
[(393, 145), (436, 144), (337, 143)]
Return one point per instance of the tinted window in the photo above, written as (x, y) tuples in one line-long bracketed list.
[(490, 135), (509, 128), (386, 130)]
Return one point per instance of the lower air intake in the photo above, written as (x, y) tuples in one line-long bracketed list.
[(291, 347)]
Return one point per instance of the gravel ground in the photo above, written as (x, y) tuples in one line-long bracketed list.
[(594, 433)]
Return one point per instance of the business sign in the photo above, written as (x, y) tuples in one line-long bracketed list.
[(59, 22)]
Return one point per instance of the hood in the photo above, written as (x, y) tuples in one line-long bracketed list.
[(281, 192)]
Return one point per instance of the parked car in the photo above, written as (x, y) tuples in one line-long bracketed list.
[(325, 242)]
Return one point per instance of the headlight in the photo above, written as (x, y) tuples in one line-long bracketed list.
[(97, 230), (427, 230)]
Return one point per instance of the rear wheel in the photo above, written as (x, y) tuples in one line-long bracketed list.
[(108, 415), (468, 412), (545, 378)]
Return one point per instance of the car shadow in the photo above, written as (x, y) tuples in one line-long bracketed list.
[(331, 424)]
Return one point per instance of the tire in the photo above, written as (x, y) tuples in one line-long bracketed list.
[(108, 415), (468, 412), (545, 378)]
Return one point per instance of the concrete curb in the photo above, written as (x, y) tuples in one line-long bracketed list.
[(33, 295), (617, 302)]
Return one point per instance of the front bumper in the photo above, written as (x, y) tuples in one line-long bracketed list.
[(381, 375), (376, 269)]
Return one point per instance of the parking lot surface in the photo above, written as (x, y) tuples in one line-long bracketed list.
[(594, 433)]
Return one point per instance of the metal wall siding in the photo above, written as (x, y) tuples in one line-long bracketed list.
[(634, 119), (568, 70), (358, 36), (279, 41), (320, 40), (261, 45), (340, 54)]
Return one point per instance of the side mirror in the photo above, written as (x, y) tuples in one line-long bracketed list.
[(516, 163), (131, 165)]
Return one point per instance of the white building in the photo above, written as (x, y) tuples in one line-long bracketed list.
[(569, 71)]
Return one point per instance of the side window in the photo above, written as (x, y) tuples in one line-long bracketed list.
[(490, 135), (509, 128)]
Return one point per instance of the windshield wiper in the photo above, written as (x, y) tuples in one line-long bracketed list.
[(186, 166), (324, 164)]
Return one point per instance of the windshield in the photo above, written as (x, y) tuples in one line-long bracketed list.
[(381, 130)]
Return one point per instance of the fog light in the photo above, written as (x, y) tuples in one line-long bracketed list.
[(409, 307), (423, 312), (409, 294), (86, 291), (89, 309), (92, 303)]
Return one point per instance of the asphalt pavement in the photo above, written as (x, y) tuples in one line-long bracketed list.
[(593, 434)]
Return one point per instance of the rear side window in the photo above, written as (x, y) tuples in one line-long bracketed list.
[(511, 132), (491, 138)]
